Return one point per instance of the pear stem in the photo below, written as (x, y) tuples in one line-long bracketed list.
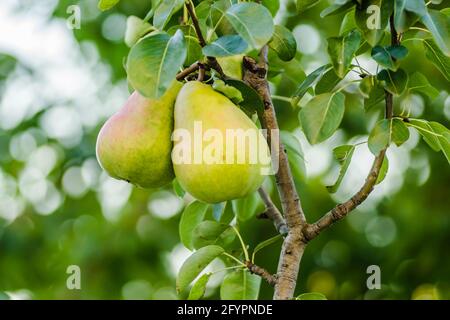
[(201, 72)]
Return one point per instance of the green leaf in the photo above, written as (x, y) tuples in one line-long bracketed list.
[(193, 48), (406, 14), (199, 287), (383, 58), (434, 134), (136, 28), (252, 101), (164, 11), (441, 61), (372, 17), (283, 43), (240, 285), (366, 85), (192, 215), (154, 61), (394, 81), (245, 208), (418, 7), (443, 138), (427, 132), (327, 83), (252, 21), (311, 296), (348, 23), (177, 188), (107, 4), (322, 115), (398, 52), (419, 83), (343, 154), (310, 80), (291, 143), (439, 25), (303, 5), (341, 6), (225, 46), (388, 56), (227, 213), (212, 232), (217, 16), (385, 132), (193, 265), (272, 5), (341, 51), (231, 92), (383, 170), (217, 209), (376, 96), (265, 243), (295, 154)]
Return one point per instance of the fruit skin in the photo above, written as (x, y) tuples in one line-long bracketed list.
[(135, 143), (213, 183)]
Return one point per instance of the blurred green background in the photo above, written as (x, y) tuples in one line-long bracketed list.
[(57, 208)]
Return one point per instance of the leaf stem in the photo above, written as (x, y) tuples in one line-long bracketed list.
[(282, 98), (244, 248), (234, 258)]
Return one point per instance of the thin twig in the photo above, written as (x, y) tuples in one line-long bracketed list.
[(263, 273), (190, 8), (192, 68), (212, 62), (273, 213)]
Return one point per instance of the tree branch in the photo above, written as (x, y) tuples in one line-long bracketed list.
[(263, 273), (212, 62), (192, 68), (341, 210), (293, 245), (273, 213)]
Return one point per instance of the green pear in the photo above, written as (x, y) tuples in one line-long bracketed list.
[(135, 143), (209, 164)]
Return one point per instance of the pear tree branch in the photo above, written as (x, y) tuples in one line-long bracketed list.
[(212, 62), (342, 210), (272, 213), (263, 273), (293, 245), (191, 69)]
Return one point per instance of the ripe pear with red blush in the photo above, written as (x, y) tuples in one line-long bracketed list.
[(135, 143)]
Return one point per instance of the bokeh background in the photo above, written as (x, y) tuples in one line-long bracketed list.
[(57, 208)]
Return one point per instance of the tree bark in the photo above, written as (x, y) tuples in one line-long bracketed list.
[(293, 245)]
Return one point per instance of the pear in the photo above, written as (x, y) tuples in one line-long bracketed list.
[(206, 162), (135, 143)]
